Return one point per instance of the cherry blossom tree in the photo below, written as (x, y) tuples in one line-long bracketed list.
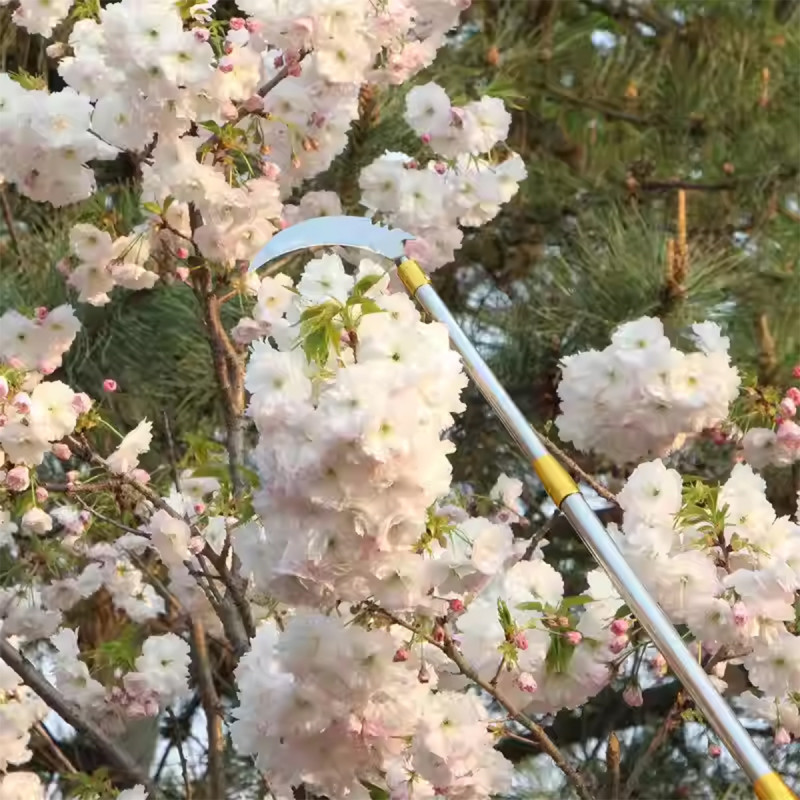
[(381, 629)]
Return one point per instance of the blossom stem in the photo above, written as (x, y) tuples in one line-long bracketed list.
[(72, 715), (539, 733)]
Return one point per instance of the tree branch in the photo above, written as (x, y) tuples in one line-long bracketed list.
[(72, 715), (213, 712)]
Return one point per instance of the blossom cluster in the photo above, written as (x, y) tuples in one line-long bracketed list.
[(345, 709), (780, 446), (722, 563), (460, 186), (642, 397), (351, 394)]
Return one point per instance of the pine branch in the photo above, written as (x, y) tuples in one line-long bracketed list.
[(33, 678)]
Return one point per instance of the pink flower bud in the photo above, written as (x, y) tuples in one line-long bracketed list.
[(741, 615), (85, 517), (3, 387), (81, 402), (789, 433), (140, 476), (253, 25), (61, 451), (199, 508), (45, 368), (201, 34), (237, 23), (72, 476), (226, 67), (787, 408), (658, 663), (283, 224), (440, 168), (574, 638), (41, 494), (526, 682), (796, 371), (402, 654), (182, 252), (279, 61), (438, 634), (618, 644), (456, 606), (426, 138), (295, 70), (15, 363), (183, 273), (18, 479), (197, 544), (22, 402), (520, 640), (270, 170), (110, 385), (3, 420), (424, 674), (718, 437), (228, 48), (782, 737), (633, 695), (41, 313), (794, 395), (714, 750), (620, 626)]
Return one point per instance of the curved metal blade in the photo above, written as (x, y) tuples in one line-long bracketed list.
[(357, 232)]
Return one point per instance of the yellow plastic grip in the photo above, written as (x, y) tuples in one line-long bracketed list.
[(555, 478), (412, 276), (771, 787)]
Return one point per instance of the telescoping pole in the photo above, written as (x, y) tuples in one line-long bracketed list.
[(567, 497)]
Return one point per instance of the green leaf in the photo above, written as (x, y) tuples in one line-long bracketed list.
[(317, 345), (29, 81), (571, 602), (624, 611), (365, 284), (153, 208), (504, 615), (368, 306), (532, 606)]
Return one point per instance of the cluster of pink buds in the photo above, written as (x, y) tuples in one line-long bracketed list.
[(137, 704)]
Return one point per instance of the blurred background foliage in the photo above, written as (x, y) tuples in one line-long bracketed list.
[(617, 106)]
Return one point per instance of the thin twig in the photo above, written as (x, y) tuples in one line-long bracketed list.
[(211, 706), (546, 744), (121, 525), (33, 678), (665, 729), (496, 676), (54, 748), (537, 537), (187, 784), (577, 470)]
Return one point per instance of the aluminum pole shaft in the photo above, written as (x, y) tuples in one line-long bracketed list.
[(567, 497)]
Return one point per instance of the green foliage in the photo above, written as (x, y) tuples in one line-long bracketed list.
[(80, 786)]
